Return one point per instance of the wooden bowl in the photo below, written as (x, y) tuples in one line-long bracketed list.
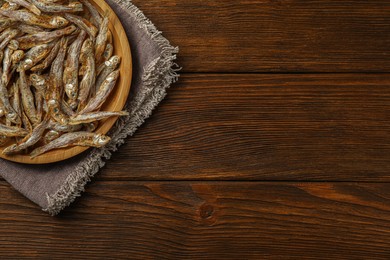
[(115, 102)]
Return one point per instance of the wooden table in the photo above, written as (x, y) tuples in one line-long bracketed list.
[(275, 144)]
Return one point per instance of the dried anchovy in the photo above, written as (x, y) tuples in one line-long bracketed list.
[(26, 4), (96, 18), (12, 131), (29, 140), (88, 81), (72, 67), (83, 23), (57, 69), (54, 92), (27, 98), (29, 41), (71, 139), (95, 116), (45, 21), (58, 8), (108, 67), (104, 91), (49, 58)]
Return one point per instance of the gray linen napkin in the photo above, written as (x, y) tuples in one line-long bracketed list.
[(54, 186)]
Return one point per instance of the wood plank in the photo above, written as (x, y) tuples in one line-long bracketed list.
[(216, 220), (288, 35), (264, 127)]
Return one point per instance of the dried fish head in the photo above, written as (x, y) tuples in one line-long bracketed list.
[(58, 21), (87, 46), (73, 104), (13, 45), (13, 116), (100, 140), (17, 56), (37, 80), (71, 90), (53, 104), (113, 61)]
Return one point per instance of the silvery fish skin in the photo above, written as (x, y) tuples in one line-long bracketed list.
[(109, 67), (29, 140), (7, 65), (96, 18), (30, 29), (29, 41), (88, 60), (51, 1), (48, 60), (4, 34), (71, 139), (16, 57), (58, 8), (101, 39), (39, 104), (104, 91), (12, 131), (95, 116), (27, 98), (108, 51), (27, 5), (50, 136), (40, 84), (83, 23), (45, 21), (8, 110), (53, 125), (67, 109), (72, 67), (16, 99), (26, 123), (35, 54), (12, 34), (54, 92)]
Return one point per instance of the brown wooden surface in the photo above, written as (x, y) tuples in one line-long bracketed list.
[(175, 190), (264, 127), (279, 35), (205, 220)]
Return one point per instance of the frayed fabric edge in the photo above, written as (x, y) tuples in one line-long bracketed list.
[(157, 77)]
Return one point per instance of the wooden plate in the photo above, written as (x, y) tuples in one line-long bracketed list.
[(115, 101)]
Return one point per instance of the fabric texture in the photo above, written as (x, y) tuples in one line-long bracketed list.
[(55, 186)]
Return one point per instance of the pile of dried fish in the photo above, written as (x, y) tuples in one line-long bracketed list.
[(58, 69)]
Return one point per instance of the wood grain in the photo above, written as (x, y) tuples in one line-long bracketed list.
[(191, 220), (117, 98), (214, 131), (282, 35), (263, 127)]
